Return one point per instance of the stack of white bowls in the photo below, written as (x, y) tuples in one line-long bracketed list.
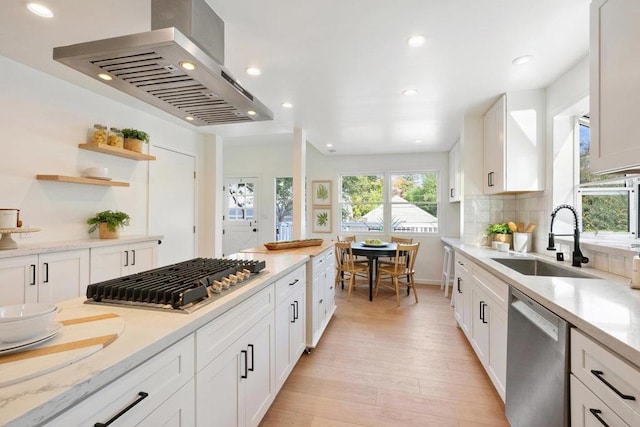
[(25, 321)]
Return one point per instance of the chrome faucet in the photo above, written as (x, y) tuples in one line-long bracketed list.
[(577, 258)]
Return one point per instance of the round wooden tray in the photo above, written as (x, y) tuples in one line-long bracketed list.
[(290, 244)]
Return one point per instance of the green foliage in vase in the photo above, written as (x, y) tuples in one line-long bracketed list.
[(113, 219), (135, 134)]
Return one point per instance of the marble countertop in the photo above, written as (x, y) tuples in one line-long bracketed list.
[(146, 333), (70, 245), (604, 307)]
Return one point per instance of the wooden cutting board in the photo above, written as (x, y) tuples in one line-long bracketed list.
[(79, 338)]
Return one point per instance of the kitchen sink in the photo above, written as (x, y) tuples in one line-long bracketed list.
[(536, 267)]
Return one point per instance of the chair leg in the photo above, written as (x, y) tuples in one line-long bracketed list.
[(351, 285), (395, 281), (413, 285), (377, 284)]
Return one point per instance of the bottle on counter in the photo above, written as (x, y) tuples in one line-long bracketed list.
[(98, 134), (116, 138)]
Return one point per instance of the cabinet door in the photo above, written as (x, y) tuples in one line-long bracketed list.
[(259, 387), (298, 341), (589, 411), (141, 257), (177, 411), (615, 64), (497, 346), (480, 324), (63, 275), (284, 319), (494, 147), (329, 282), (218, 389), (454, 173), (107, 263), (318, 302), (18, 276)]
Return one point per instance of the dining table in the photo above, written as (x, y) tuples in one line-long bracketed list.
[(373, 252)]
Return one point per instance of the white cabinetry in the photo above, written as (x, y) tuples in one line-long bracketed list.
[(603, 386), (47, 278), (290, 329), (514, 143), (614, 85), (109, 262), (481, 304), (455, 173), (160, 387), (320, 294), (235, 380)]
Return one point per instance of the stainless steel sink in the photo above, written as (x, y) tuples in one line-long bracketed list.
[(536, 267)]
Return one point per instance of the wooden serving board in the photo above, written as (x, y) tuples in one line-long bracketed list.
[(293, 244), (79, 338)]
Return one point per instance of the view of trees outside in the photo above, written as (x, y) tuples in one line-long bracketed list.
[(606, 207), (284, 208), (362, 198)]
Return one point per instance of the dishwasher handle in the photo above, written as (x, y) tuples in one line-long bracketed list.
[(537, 315)]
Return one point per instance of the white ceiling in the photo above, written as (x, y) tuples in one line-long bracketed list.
[(342, 63)]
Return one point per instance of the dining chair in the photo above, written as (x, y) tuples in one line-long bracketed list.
[(348, 239), (390, 261), (347, 265), (402, 268)]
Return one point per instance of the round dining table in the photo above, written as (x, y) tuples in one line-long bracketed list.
[(373, 252)]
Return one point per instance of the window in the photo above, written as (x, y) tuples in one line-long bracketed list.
[(396, 202), (608, 202), (284, 208)]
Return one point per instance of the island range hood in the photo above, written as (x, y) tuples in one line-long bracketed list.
[(177, 66)]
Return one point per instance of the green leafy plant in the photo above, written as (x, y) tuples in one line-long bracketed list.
[(322, 219), (499, 228), (113, 219), (136, 134)]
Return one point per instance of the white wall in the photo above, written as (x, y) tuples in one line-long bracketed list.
[(43, 119)]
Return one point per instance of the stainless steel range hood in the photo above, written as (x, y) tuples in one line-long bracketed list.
[(151, 66)]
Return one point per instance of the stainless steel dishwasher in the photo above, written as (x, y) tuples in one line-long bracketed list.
[(537, 388)]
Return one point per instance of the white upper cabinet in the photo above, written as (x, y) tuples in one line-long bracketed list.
[(514, 143), (455, 173), (614, 86)]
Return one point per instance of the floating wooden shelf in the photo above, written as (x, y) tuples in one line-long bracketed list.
[(82, 180), (120, 152)]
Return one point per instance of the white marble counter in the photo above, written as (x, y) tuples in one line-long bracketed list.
[(605, 307), (70, 245), (146, 333)]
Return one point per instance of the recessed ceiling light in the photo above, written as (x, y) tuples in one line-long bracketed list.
[(522, 60), (251, 113), (409, 92), (40, 10), (189, 118), (416, 40), (418, 141), (329, 145), (253, 71), (287, 105), (189, 66), (105, 76)]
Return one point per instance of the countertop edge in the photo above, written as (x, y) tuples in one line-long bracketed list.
[(70, 245)]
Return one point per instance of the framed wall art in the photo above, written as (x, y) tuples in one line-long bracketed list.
[(321, 218), (321, 193)]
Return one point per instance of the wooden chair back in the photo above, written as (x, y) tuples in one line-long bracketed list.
[(344, 256), (347, 238), (405, 259), (405, 240)]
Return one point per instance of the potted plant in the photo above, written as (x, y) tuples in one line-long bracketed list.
[(133, 139), (500, 232), (108, 223)]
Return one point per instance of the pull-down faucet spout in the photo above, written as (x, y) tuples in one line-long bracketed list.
[(577, 258)]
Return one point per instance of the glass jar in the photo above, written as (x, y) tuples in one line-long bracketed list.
[(98, 134), (116, 138)]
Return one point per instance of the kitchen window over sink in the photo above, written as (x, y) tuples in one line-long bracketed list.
[(608, 203), (390, 202)]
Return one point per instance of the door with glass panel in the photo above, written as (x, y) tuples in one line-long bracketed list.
[(240, 217)]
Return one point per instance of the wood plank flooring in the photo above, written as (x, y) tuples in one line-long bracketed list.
[(382, 365)]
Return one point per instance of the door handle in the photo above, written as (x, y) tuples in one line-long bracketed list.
[(459, 280), (251, 347), (244, 352), (293, 312), (596, 413), (600, 374), (126, 259), (482, 314), (46, 272), (33, 275), (254, 230), (141, 396), (133, 252)]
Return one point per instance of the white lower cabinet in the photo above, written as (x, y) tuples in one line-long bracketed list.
[(46, 278), (109, 262), (481, 304), (141, 393), (180, 411), (321, 304), (603, 385)]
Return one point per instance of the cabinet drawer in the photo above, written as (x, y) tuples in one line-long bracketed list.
[(213, 338), (588, 410), (289, 284), (462, 263), (595, 366), (160, 377), (318, 263), (495, 288)]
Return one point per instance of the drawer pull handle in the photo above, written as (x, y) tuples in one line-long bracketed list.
[(33, 275), (599, 375), (294, 282), (141, 396), (293, 313), (46, 273), (244, 352), (459, 280), (252, 358), (596, 413)]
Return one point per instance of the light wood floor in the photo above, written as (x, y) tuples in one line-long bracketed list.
[(382, 365)]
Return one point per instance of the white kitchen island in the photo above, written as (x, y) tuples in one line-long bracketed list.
[(152, 343)]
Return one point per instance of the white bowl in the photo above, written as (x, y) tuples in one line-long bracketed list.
[(20, 330), (96, 172), (13, 313)]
